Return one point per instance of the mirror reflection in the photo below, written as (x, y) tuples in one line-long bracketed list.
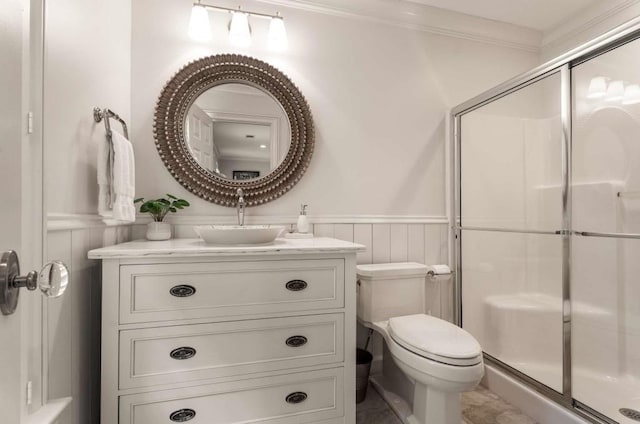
[(237, 131)]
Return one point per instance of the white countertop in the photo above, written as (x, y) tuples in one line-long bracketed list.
[(197, 247)]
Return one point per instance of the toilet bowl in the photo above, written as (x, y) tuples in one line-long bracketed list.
[(441, 359)]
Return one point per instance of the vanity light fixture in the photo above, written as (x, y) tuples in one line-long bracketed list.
[(199, 28), (277, 34), (597, 88), (239, 28)]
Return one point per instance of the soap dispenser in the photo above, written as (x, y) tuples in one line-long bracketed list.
[(303, 222)]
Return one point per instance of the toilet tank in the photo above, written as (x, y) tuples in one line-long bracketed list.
[(390, 290)]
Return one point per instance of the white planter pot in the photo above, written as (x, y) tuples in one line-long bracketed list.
[(158, 231)]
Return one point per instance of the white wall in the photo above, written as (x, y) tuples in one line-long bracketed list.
[(87, 64), (87, 51), (378, 94)]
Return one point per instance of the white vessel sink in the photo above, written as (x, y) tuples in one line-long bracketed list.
[(238, 234)]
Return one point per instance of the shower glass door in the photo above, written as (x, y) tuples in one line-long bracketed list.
[(511, 215), (605, 276), (547, 201)]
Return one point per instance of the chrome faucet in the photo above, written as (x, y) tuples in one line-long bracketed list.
[(240, 207)]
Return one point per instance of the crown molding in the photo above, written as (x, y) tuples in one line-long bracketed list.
[(422, 18), (586, 21)]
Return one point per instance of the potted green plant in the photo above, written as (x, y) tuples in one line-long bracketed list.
[(158, 209)]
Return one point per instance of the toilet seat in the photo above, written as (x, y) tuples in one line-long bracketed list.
[(431, 371), (435, 339)]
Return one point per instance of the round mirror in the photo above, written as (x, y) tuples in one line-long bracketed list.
[(229, 121), (53, 279), (237, 131)]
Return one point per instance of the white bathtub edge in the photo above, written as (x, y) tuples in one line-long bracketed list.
[(530, 402)]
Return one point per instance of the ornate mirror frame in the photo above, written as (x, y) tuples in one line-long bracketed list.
[(180, 92)]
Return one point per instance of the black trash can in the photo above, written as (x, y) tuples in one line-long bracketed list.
[(363, 366)]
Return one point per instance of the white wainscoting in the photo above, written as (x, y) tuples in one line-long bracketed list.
[(73, 320)]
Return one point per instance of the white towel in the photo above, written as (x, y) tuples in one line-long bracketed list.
[(124, 179), (117, 188)]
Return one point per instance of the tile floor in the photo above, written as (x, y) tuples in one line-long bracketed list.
[(478, 407)]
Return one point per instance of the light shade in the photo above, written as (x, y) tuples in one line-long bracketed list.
[(597, 88), (239, 31), (199, 29), (631, 95), (615, 91), (277, 34)]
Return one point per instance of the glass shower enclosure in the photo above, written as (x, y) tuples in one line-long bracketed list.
[(547, 226)]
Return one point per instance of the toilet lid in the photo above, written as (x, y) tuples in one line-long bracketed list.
[(435, 339)]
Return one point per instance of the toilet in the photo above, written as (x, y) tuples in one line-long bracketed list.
[(439, 358)]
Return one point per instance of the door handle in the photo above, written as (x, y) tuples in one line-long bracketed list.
[(52, 280)]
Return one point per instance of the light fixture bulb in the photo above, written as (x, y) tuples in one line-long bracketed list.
[(277, 34), (597, 88), (239, 31), (631, 95), (615, 91), (263, 146), (199, 28)]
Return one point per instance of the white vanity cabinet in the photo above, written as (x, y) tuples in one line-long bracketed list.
[(222, 335)]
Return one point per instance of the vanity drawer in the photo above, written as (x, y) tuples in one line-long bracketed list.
[(202, 351), (285, 399), (161, 292)]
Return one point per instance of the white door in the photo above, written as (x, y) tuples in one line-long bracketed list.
[(22, 397), (11, 134), (200, 138)]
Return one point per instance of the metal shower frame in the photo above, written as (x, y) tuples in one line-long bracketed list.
[(562, 65)]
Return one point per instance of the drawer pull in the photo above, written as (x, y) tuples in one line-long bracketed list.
[(182, 290), (182, 415), (182, 353), (296, 397), (296, 285), (296, 341)]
